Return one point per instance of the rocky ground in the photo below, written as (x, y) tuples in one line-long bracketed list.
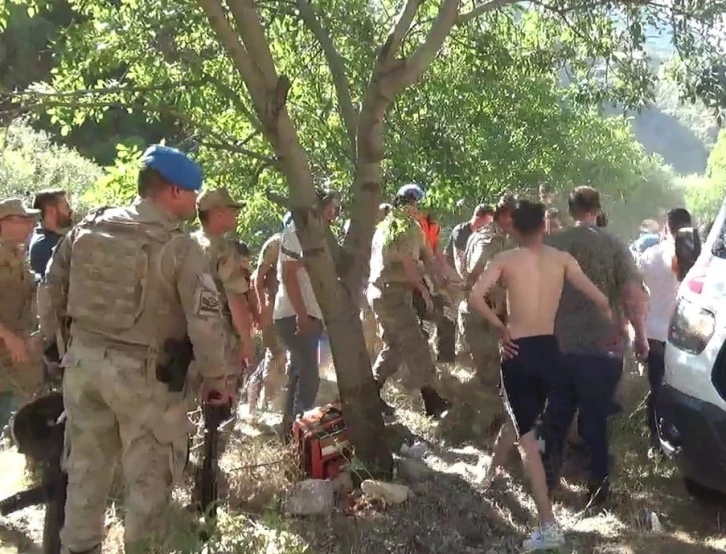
[(445, 510)]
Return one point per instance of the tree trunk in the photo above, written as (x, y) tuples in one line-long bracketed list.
[(250, 53), (341, 311)]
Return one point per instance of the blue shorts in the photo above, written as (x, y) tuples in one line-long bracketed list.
[(527, 378)]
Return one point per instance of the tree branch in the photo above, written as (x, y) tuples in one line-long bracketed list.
[(268, 93), (35, 93), (234, 97), (399, 31), (227, 147), (413, 68), (481, 9), (253, 36), (278, 199), (336, 64)]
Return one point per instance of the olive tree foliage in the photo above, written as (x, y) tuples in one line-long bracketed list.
[(30, 161), (278, 95)]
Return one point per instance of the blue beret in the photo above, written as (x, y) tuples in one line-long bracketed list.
[(175, 166)]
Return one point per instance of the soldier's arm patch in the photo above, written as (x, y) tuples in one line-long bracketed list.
[(207, 298)]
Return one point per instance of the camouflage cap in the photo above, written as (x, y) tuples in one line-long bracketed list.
[(217, 198), (14, 207)]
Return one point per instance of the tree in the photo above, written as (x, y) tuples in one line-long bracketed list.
[(392, 74), (29, 162), (599, 44)]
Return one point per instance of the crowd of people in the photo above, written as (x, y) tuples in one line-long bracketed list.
[(544, 304)]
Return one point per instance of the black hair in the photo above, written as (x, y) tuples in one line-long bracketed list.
[(602, 220), (688, 248), (528, 217), (677, 219)]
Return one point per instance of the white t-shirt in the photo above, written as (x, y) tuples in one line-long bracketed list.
[(290, 250), (656, 266)]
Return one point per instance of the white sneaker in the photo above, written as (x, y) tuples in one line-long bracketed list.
[(547, 538)]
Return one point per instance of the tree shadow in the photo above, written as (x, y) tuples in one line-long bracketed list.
[(594, 543), (446, 514), (11, 537)]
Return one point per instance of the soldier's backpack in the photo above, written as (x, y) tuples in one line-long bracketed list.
[(321, 442)]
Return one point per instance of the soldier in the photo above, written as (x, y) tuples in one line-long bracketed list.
[(482, 339), (270, 371), (368, 318), (398, 243), (130, 280), (21, 373), (218, 214)]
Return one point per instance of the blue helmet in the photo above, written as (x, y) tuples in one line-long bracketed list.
[(411, 192)]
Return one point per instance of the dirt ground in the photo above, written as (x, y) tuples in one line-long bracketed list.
[(448, 513)]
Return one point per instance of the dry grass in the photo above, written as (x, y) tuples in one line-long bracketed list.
[(448, 514)]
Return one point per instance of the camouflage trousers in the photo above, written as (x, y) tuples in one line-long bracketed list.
[(483, 345), (116, 409), (269, 375), (19, 384), (401, 337), (370, 330)]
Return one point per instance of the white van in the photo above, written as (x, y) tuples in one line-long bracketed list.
[(691, 410)]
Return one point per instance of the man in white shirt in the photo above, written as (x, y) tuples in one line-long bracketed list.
[(656, 264), (298, 318)]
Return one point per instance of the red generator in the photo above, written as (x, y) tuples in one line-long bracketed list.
[(321, 441)]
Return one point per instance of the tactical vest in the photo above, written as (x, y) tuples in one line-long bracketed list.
[(117, 288)]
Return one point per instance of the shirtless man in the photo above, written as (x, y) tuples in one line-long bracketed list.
[(533, 276)]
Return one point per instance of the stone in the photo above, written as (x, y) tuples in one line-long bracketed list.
[(390, 493), (413, 470), (311, 497)]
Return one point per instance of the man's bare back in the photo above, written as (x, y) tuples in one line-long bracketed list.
[(533, 277)]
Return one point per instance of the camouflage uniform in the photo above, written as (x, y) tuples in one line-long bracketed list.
[(18, 382), (129, 279), (390, 297), (271, 370), (225, 267), (482, 339)]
